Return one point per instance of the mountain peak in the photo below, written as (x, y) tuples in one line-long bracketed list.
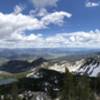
[(90, 67), (38, 61)]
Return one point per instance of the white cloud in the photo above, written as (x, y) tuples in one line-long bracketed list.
[(13, 26), (92, 4), (44, 3), (77, 39), (56, 18), (11, 23), (42, 12), (18, 9), (41, 7)]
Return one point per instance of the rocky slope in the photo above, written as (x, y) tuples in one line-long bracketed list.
[(90, 67), (85, 66)]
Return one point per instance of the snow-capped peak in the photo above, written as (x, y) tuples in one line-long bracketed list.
[(90, 67)]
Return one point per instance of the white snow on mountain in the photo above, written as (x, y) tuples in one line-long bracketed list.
[(85, 66), (70, 66), (90, 67)]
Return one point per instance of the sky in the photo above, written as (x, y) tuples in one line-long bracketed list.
[(49, 23)]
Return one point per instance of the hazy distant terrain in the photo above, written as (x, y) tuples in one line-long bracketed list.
[(32, 53), (25, 60)]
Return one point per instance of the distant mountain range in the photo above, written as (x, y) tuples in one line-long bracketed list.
[(17, 66), (77, 61), (31, 53)]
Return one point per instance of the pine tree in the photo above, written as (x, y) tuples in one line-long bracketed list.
[(83, 90), (14, 91), (68, 87), (76, 88)]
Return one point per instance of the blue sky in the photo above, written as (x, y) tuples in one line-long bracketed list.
[(49, 23)]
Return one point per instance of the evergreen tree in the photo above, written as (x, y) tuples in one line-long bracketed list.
[(14, 91), (68, 87), (83, 90), (76, 88)]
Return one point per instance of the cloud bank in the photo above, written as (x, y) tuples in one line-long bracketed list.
[(77, 39), (14, 25)]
